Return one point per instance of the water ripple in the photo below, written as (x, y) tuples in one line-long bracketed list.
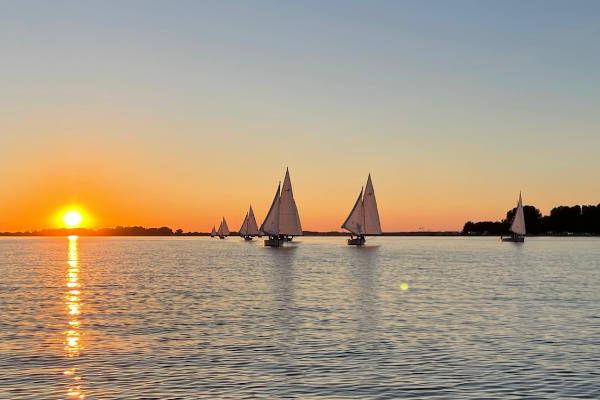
[(192, 318)]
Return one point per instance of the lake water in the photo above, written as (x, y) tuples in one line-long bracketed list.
[(405, 317)]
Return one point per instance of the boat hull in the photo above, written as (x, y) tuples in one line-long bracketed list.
[(274, 242), (358, 241), (514, 239), (221, 237), (248, 238)]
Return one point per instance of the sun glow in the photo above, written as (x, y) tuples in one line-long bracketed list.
[(72, 219)]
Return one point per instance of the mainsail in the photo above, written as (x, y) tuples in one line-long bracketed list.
[(251, 227), (289, 220), (213, 233), (355, 221), (372, 225), (244, 227), (223, 229), (518, 224), (364, 217), (270, 225)]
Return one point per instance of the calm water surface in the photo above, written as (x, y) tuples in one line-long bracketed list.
[(192, 318)]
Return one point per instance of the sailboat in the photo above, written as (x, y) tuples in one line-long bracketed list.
[(249, 228), (282, 222), (223, 230), (364, 218), (518, 225), (213, 233)]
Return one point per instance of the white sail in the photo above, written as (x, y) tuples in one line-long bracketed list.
[(355, 221), (244, 227), (213, 233), (518, 224), (289, 220), (270, 225), (251, 227), (372, 225), (223, 229)]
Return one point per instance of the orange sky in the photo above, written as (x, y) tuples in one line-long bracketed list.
[(118, 181)]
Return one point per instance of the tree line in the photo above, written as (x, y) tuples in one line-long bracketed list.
[(561, 220)]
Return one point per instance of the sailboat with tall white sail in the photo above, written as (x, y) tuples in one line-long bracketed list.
[(213, 233), (223, 230), (249, 228), (518, 225), (282, 222), (363, 219)]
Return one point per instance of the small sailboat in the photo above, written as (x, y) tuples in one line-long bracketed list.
[(282, 222), (213, 233), (518, 225), (364, 218), (249, 228), (223, 230)]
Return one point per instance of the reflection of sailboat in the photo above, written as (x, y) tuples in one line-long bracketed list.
[(518, 225), (223, 231), (73, 333), (281, 300), (249, 228), (364, 218), (282, 222), (213, 233)]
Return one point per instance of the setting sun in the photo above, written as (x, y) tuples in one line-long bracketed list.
[(72, 219)]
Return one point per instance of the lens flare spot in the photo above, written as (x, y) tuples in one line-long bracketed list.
[(404, 286)]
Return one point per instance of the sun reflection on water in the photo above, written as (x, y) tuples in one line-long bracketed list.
[(73, 334)]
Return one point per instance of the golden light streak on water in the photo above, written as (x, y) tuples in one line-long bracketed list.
[(73, 335)]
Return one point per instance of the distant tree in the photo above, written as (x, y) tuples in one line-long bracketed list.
[(590, 219), (565, 219), (533, 218), (179, 232), (562, 219), (165, 231), (485, 228)]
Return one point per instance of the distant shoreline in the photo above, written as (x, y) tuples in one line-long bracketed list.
[(155, 233)]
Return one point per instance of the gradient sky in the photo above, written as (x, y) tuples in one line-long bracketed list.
[(176, 113)]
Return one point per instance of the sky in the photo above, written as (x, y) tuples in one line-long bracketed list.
[(179, 112)]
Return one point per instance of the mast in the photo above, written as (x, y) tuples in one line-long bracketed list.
[(355, 221), (372, 226), (270, 225), (289, 220), (518, 224)]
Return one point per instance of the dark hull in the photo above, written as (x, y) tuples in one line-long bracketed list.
[(247, 237), (274, 242), (356, 241), (514, 239)]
